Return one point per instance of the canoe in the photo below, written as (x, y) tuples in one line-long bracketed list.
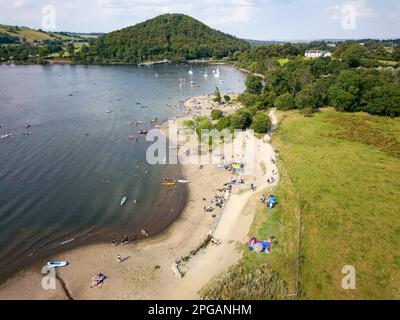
[(168, 184), (56, 264), (123, 201)]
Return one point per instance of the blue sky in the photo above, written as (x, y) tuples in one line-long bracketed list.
[(254, 19)]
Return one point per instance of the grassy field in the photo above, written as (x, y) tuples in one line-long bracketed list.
[(338, 205), (23, 32), (345, 169), (283, 61), (32, 35)]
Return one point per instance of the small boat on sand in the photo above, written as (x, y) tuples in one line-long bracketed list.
[(56, 264), (184, 181), (123, 201)]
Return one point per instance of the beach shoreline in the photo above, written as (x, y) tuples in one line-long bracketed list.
[(148, 263)]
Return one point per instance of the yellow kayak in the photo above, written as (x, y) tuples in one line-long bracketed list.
[(168, 184)]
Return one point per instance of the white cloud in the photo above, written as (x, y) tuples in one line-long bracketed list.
[(19, 3), (215, 12), (239, 11)]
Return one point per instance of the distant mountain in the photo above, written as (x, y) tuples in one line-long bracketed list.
[(259, 43), (171, 36)]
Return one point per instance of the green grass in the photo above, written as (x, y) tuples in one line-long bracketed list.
[(389, 63), (23, 32), (260, 276), (338, 205), (346, 170), (283, 61)]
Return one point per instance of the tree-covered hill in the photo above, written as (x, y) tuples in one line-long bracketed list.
[(171, 36)]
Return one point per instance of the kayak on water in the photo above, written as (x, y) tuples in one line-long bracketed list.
[(123, 201), (56, 264)]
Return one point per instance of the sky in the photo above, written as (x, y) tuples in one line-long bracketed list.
[(250, 19)]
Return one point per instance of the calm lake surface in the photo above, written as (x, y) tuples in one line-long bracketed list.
[(53, 194)]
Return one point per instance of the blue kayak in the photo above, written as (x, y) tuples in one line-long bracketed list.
[(56, 264)]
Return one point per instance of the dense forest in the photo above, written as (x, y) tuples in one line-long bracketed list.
[(175, 37), (356, 78)]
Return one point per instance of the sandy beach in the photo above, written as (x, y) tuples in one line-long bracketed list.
[(146, 270)]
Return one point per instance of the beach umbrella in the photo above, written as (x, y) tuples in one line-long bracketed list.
[(258, 247)]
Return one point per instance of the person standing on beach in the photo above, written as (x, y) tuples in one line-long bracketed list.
[(114, 241), (119, 258)]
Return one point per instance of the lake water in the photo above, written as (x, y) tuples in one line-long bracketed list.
[(53, 194)]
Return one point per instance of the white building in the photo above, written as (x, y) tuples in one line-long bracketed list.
[(317, 54)]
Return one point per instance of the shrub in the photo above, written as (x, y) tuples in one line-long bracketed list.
[(227, 98), (241, 119), (199, 119), (253, 85), (203, 125), (285, 102), (261, 123), (223, 123), (217, 95), (188, 123), (216, 114)]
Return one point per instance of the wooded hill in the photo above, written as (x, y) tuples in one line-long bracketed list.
[(176, 37)]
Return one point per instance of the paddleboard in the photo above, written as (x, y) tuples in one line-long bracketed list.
[(56, 264)]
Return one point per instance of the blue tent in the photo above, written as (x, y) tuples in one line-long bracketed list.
[(272, 200)]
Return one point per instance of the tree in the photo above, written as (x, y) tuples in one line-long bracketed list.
[(342, 100), (353, 54), (345, 93), (217, 95), (70, 49), (384, 100), (261, 123), (227, 98), (307, 99), (285, 102), (223, 123), (396, 53), (44, 51), (203, 125), (216, 114), (188, 123), (241, 119), (253, 84)]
